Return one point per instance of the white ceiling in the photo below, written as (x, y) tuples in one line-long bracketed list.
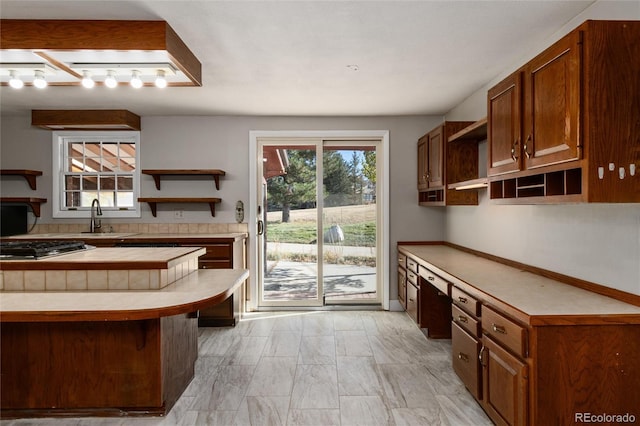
[(294, 58)]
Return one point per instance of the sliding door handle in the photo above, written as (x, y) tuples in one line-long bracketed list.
[(260, 227)]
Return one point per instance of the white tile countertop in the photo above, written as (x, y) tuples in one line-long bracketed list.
[(194, 291), (124, 236)]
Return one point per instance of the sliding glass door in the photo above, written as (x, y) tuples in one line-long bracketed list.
[(318, 222)]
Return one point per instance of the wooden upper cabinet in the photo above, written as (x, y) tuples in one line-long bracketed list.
[(423, 182), (504, 125), (563, 127), (441, 162), (436, 157), (552, 104)]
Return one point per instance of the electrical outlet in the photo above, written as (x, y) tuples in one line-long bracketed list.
[(178, 214)]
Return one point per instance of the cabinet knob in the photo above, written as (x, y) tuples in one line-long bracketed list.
[(430, 278)]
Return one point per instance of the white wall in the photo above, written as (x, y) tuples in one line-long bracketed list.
[(223, 143), (595, 242)]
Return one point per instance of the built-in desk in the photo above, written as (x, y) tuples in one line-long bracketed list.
[(531, 349)]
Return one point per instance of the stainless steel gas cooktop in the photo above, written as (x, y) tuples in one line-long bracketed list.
[(37, 249)]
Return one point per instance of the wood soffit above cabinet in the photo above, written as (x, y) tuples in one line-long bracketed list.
[(109, 119)]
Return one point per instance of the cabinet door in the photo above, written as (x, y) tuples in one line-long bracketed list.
[(504, 111), (552, 104), (504, 379), (435, 156), (464, 359), (423, 183)]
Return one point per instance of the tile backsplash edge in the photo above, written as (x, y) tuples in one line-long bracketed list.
[(146, 228)]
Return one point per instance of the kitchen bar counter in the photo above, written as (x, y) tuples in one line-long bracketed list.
[(204, 287), (104, 353)]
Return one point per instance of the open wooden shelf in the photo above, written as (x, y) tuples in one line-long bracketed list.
[(34, 203), (476, 131), (153, 202), (29, 175), (157, 173), (548, 187)]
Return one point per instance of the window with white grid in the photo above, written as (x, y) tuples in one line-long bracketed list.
[(96, 165)]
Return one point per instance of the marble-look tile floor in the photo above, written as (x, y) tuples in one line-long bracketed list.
[(315, 368)]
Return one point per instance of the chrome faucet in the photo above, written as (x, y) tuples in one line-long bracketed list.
[(95, 223)]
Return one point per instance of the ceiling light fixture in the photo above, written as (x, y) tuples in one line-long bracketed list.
[(39, 80), (14, 80), (145, 46), (87, 81), (161, 81), (135, 82), (110, 81)]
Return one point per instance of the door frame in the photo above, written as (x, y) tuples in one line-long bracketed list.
[(381, 135)]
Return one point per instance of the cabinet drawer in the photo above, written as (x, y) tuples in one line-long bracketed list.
[(412, 277), (214, 264), (466, 321), (468, 303), (412, 265), (402, 260), (214, 251), (464, 358), (505, 331), (434, 280), (412, 301)]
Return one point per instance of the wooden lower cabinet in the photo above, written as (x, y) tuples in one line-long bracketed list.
[(571, 366), (96, 368), (505, 385), (224, 252), (412, 301)]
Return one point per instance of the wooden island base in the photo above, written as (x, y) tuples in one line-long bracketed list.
[(111, 368), (79, 354)]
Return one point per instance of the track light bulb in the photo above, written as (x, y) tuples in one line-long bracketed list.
[(39, 80), (135, 82), (14, 80), (110, 81), (161, 81), (87, 81)]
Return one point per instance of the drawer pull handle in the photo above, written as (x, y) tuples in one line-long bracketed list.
[(463, 319), (499, 329), (462, 299), (463, 357), (411, 300), (431, 278)]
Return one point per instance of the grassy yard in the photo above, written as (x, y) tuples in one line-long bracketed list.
[(358, 224)]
